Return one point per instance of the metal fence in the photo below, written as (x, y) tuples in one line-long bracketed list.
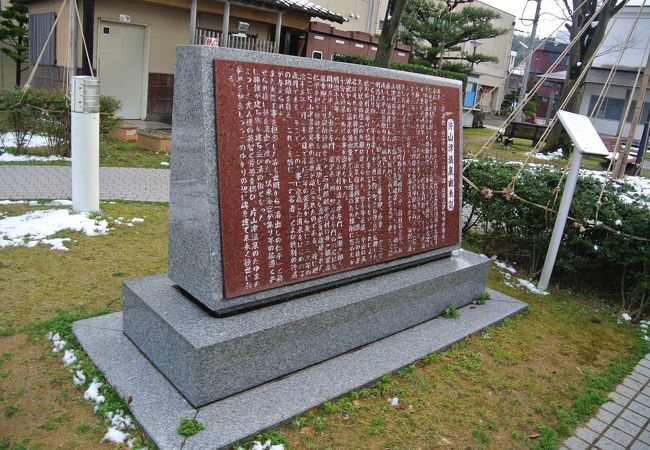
[(205, 36)]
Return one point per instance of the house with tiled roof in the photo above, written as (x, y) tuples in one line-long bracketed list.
[(131, 44)]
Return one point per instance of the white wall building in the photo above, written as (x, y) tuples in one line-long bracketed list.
[(608, 119), (362, 15), (491, 74)]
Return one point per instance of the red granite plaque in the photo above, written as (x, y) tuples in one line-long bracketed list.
[(322, 172)]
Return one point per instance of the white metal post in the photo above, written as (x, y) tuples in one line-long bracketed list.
[(560, 220), (84, 140)]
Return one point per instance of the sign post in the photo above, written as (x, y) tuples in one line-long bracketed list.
[(586, 141)]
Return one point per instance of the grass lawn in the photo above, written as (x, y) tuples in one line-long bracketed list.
[(474, 138), (112, 153), (521, 384)]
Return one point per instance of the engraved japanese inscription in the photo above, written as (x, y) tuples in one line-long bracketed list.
[(322, 172)]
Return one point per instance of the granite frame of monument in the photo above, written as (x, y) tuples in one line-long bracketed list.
[(234, 322)]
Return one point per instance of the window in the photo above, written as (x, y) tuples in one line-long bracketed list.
[(644, 112), (610, 108), (317, 55), (551, 58), (39, 27)]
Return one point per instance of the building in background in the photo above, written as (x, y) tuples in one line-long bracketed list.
[(132, 44), (323, 41), (610, 117), (489, 89), (549, 93), (361, 15)]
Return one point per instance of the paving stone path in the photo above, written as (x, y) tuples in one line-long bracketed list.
[(623, 422), (115, 183)]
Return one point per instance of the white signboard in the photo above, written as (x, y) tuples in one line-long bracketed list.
[(582, 133)]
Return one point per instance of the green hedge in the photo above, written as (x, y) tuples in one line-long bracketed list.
[(590, 256), (415, 68)]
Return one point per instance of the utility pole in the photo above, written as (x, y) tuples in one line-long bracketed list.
[(529, 60)]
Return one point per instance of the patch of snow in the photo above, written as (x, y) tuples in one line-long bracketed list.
[(92, 393), (503, 266), (646, 338), (137, 220), (119, 420), (79, 378), (557, 154), (69, 357), (531, 287), (277, 447), (38, 225), (7, 140), (626, 317), (164, 163), (12, 202), (57, 243), (257, 445), (8, 157), (60, 203), (115, 435), (595, 247), (57, 342), (394, 402), (618, 222)]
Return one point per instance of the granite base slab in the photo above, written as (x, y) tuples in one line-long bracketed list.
[(158, 406), (210, 358)]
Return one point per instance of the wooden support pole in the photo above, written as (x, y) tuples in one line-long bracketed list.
[(225, 25), (192, 37), (278, 34)]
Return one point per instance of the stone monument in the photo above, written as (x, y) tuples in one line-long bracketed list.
[(314, 221)]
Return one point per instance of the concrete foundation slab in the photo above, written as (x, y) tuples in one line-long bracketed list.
[(210, 358), (158, 406)]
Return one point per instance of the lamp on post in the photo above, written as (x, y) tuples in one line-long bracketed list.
[(475, 43)]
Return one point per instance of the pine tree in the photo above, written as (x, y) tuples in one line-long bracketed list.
[(444, 27), (14, 35)]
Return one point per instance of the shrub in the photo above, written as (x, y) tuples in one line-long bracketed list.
[(54, 122), (17, 118), (47, 113), (108, 119), (414, 68), (590, 255)]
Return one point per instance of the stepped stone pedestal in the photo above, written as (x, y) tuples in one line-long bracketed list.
[(314, 241)]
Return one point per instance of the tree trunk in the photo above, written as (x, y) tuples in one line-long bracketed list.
[(19, 65), (388, 37)]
